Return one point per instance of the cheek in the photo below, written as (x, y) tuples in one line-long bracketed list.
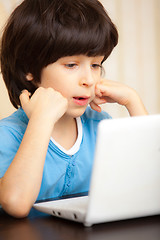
[(48, 81), (64, 89), (97, 78), (93, 94)]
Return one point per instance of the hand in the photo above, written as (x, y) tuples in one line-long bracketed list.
[(45, 102), (111, 92)]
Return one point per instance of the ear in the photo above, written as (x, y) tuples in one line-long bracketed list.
[(29, 76)]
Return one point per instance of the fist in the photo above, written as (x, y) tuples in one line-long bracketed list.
[(45, 102)]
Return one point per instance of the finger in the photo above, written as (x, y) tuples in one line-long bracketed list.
[(98, 91), (95, 107), (101, 88), (99, 101), (24, 97)]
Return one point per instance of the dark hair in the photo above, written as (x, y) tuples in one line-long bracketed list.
[(39, 32)]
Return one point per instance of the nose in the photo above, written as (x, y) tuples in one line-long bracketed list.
[(86, 79)]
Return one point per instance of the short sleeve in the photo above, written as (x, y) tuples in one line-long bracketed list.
[(90, 114), (9, 144)]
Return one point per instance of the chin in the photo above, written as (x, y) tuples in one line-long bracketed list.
[(77, 112)]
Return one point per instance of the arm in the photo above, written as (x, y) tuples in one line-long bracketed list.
[(21, 183), (111, 92)]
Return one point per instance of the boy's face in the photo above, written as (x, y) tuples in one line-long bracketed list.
[(75, 78)]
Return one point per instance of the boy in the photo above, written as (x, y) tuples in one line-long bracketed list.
[(51, 59)]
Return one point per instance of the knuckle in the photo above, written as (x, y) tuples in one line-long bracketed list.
[(23, 92), (40, 89), (50, 90)]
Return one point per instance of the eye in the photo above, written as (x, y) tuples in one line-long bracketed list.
[(96, 66), (70, 65)]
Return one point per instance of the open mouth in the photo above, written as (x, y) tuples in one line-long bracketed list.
[(81, 100)]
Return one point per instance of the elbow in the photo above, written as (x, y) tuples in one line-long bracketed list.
[(15, 206)]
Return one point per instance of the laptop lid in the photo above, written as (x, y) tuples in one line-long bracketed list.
[(126, 174)]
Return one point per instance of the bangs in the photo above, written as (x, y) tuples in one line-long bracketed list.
[(90, 42), (80, 30)]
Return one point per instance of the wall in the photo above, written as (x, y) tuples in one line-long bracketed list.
[(6, 6), (136, 59)]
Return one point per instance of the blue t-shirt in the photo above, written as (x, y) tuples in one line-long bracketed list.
[(62, 174)]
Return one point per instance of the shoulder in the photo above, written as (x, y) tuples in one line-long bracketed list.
[(15, 123), (91, 115), (90, 121)]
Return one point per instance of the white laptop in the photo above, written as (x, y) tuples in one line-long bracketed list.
[(125, 180)]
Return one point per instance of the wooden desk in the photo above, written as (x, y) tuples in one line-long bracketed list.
[(39, 226)]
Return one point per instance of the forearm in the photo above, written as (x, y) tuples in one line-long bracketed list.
[(111, 92), (135, 105), (22, 181)]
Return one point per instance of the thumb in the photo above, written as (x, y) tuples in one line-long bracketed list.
[(24, 97)]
